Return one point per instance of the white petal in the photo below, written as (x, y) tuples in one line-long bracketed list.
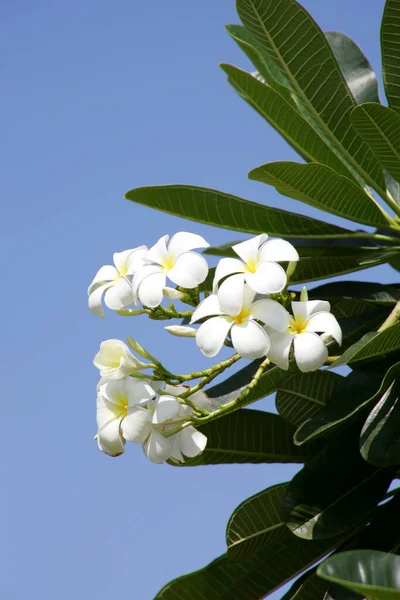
[(106, 273), (119, 295), (325, 322), (105, 412), (136, 425), (183, 242), (136, 259), (249, 339), (269, 278), (225, 267), (201, 400), (151, 289), (190, 269), (181, 330), (208, 307), (158, 253), (109, 439), (114, 360), (176, 448), (249, 250), (277, 250), (279, 349), (175, 390), (230, 294), (211, 335), (141, 274), (173, 294), (304, 310), (167, 407), (157, 448), (138, 390), (271, 313), (96, 297), (309, 351), (191, 441), (121, 259)]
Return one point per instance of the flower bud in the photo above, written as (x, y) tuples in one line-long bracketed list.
[(181, 330), (173, 294), (115, 361)]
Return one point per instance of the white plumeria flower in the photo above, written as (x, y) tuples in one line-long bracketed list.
[(310, 318), (118, 414), (113, 281), (258, 268), (116, 361), (249, 339), (185, 268)]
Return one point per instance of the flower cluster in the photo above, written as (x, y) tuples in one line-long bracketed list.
[(246, 309), (130, 409)]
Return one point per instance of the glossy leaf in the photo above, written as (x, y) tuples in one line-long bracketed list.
[(369, 572), (307, 587), (373, 345), (391, 52), (379, 127), (230, 212), (361, 388), (304, 394), (249, 436), (335, 491), (380, 436), (322, 188), (252, 578), (302, 53), (284, 116), (355, 67), (256, 522), (385, 293)]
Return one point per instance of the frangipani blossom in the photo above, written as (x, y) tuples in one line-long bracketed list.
[(114, 283), (309, 319), (258, 268), (116, 361), (119, 417), (177, 261), (249, 338)]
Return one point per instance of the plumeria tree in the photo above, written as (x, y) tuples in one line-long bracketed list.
[(335, 525)]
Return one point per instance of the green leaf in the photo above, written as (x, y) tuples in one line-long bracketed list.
[(360, 388), (307, 587), (283, 115), (373, 345), (335, 491), (356, 68), (383, 293), (391, 52), (304, 394), (379, 126), (249, 436), (300, 50), (230, 212), (256, 522), (322, 188), (368, 572), (250, 579), (380, 436)]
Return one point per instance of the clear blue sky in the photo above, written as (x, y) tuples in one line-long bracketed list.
[(100, 97)]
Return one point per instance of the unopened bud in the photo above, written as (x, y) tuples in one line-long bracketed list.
[(136, 347), (173, 294), (304, 295), (181, 330), (326, 338)]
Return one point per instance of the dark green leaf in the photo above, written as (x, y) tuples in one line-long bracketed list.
[(284, 116), (307, 587), (368, 572), (249, 436), (390, 39), (385, 293), (300, 50), (380, 436), (231, 212), (304, 394), (256, 522), (321, 187), (250, 579), (379, 127), (361, 388), (355, 67), (373, 345), (335, 491)]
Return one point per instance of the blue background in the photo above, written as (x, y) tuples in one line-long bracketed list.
[(98, 98)]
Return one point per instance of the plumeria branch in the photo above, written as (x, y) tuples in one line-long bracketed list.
[(392, 319)]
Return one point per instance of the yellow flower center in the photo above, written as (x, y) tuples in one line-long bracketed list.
[(123, 270), (297, 324), (242, 316), (121, 405), (251, 266), (169, 262)]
